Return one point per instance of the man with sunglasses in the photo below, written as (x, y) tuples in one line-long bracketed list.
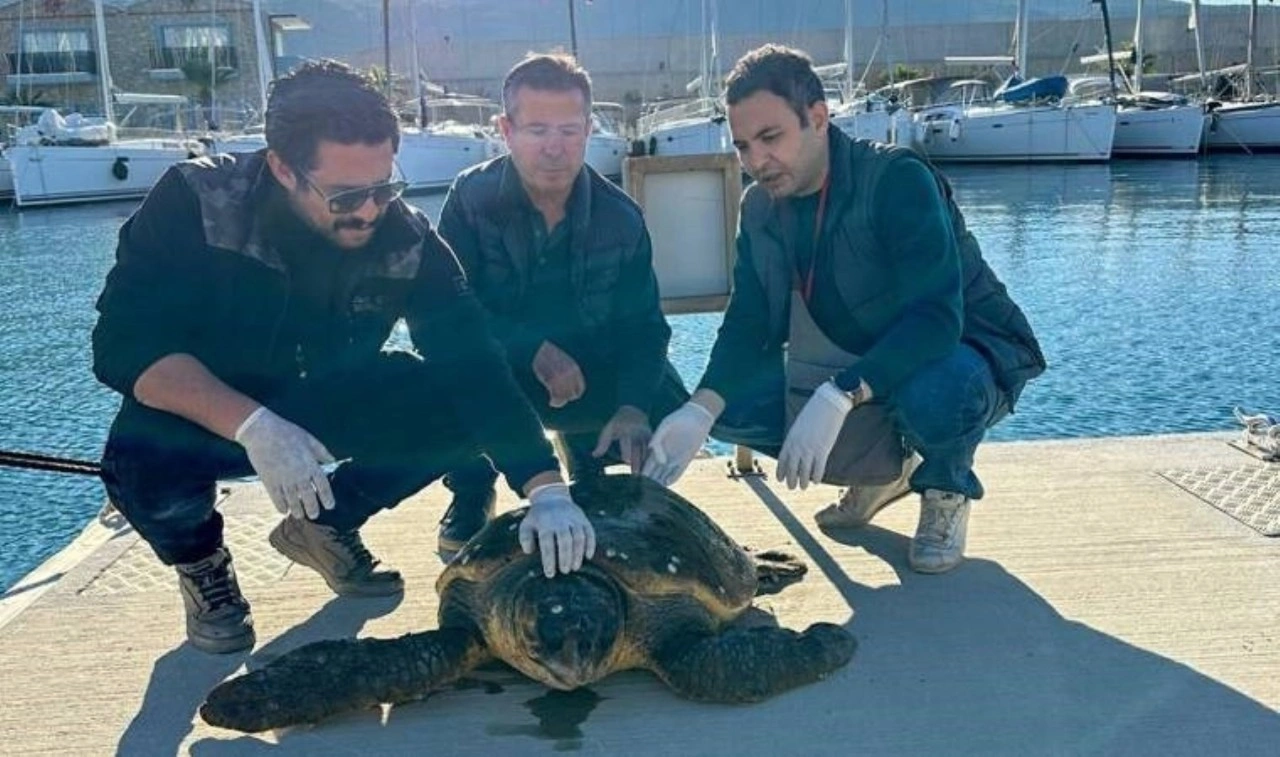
[(244, 322), (561, 259)]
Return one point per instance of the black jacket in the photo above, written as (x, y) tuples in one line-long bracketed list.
[(197, 272), (487, 220)]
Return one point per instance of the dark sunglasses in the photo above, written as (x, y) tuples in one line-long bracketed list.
[(351, 200)]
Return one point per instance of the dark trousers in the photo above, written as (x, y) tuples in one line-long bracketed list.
[(942, 411), (579, 423), (385, 413)]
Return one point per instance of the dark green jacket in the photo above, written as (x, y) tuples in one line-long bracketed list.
[(487, 221), (907, 277)]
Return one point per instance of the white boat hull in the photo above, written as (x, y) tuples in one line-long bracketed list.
[(605, 153), (55, 174), (1175, 130), (6, 179), (1016, 134), (859, 123), (431, 160), (1244, 126), (695, 136)]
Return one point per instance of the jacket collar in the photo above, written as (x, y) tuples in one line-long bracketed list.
[(516, 207), (514, 198), (392, 250)]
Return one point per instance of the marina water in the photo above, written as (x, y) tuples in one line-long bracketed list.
[(1154, 288)]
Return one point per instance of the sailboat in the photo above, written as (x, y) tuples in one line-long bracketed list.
[(78, 159), (607, 145), (1159, 124), (860, 115), (1251, 122), (1021, 122), (433, 152), (697, 127)]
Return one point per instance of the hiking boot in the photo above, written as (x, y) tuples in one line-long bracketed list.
[(859, 504), (469, 512), (218, 619), (938, 545), (340, 558)]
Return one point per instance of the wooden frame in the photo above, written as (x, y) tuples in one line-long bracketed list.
[(714, 179)]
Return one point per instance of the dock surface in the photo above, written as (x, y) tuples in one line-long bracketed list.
[(1102, 610)]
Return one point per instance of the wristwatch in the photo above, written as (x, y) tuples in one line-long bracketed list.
[(858, 395)]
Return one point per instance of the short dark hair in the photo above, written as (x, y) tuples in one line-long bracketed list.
[(556, 72), (326, 100), (783, 71)]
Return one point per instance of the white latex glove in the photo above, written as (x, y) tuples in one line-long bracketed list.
[(804, 454), (288, 461), (677, 440), (559, 527)]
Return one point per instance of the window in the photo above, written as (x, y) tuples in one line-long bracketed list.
[(180, 44), (64, 51)]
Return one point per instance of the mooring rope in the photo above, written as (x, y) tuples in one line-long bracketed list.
[(47, 463)]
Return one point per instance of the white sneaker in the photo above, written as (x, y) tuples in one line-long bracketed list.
[(858, 505), (938, 545)]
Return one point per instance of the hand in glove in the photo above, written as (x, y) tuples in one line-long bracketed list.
[(677, 440), (629, 427), (804, 454), (559, 373), (288, 461), (559, 527)]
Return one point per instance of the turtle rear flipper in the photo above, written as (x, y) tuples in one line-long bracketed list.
[(323, 679), (752, 664)]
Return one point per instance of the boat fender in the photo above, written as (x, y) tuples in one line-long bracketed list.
[(120, 168), (953, 131)]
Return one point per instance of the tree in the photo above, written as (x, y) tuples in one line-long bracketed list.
[(204, 76)]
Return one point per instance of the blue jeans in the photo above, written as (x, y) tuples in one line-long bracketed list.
[(943, 412)]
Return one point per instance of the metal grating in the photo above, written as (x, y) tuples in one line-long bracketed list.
[(1248, 493), (257, 564)]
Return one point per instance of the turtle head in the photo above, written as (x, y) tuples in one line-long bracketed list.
[(568, 627)]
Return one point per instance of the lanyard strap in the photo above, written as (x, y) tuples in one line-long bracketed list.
[(806, 291)]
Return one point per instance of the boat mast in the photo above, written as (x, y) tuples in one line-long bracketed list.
[(415, 66), (848, 49), (1195, 19), (1137, 50), (386, 47), (1249, 50), (104, 68), (1111, 57), (1020, 30), (265, 55), (713, 66)]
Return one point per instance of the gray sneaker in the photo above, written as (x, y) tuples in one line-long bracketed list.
[(340, 558), (218, 619), (938, 545), (858, 505)]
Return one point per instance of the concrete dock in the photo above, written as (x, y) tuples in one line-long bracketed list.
[(1104, 609)]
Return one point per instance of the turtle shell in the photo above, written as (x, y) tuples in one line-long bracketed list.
[(651, 540)]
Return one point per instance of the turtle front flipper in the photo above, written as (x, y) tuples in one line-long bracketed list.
[(322, 679), (752, 664), (776, 570)]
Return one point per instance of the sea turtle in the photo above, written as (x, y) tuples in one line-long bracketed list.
[(662, 593)]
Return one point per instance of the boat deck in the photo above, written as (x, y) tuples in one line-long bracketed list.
[(1102, 610)]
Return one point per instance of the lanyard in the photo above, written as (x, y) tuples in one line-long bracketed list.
[(806, 291)]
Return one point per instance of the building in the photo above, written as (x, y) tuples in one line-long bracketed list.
[(201, 49)]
